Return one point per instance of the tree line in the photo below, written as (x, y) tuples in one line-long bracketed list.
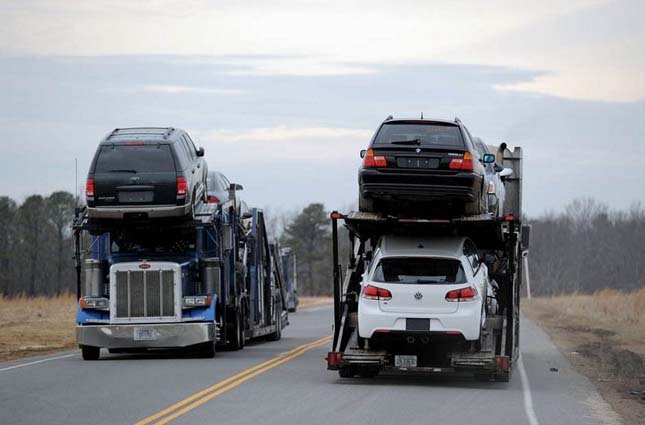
[(583, 248)]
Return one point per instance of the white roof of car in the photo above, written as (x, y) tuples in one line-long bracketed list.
[(415, 246)]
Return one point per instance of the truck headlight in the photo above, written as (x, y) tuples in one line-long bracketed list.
[(94, 303), (197, 301)]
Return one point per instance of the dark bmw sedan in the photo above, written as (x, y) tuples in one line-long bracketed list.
[(422, 166)]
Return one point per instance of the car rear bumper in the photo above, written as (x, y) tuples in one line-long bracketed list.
[(467, 321), (420, 186), (168, 335), (150, 211)]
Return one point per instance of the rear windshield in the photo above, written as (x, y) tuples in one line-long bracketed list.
[(424, 134), (134, 159), (419, 270)]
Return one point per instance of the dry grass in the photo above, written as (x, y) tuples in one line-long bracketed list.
[(309, 302), (618, 312), (36, 325), (603, 336)]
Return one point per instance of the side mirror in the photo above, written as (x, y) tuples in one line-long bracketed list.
[(235, 187), (200, 152), (506, 172), (363, 151), (488, 158)]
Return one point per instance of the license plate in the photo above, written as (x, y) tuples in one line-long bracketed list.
[(413, 162), (135, 196), (417, 324), (144, 334), (405, 361)]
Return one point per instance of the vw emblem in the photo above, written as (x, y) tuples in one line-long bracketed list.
[(418, 150), (418, 296)]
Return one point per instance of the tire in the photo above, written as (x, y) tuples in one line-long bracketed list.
[(368, 373), (484, 377), (365, 204), (237, 341), (346, 372), (503, 376), (90, 353), (277, 335)]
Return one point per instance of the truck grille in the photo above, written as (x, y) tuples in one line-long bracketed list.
[(145, 293)]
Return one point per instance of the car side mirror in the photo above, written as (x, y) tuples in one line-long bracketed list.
[(506, 172), (489, 158), (363, 151), (200, 151), (235, 187)]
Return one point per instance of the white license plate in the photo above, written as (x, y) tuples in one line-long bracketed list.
[(144, 334), (405, 361)]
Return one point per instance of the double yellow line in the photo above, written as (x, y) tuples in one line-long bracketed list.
[(201, 397)]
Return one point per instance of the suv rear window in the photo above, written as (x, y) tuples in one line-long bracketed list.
[(426, 134), (421, 270), (138, 158)]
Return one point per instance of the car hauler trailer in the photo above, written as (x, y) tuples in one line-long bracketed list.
[(288, 258), (200, 283), (500, 241)]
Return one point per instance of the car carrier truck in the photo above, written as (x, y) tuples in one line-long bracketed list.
[(204, 282), (501, 241)]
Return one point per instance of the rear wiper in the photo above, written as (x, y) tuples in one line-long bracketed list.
[(123, 171), (407, 142)]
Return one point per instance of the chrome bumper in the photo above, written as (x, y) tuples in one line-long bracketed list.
[(152, 212), (168, 335)]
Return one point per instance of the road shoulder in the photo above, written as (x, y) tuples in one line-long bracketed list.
[(599, 353)]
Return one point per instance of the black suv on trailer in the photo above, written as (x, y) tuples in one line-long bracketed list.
[(422, 165), (146, 172)]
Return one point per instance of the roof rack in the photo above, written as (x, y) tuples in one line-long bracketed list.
[(457, 120), (169, 132), (389, 117)]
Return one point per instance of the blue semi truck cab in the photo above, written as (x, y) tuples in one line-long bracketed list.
[(202, 283)]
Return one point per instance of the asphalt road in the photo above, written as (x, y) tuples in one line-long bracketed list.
[(286, 383)]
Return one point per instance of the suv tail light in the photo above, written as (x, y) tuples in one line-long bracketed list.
[(89, 188), (213, 199), (463, 294), (374, 293), (465, 163), (372, 161), (182, 186)]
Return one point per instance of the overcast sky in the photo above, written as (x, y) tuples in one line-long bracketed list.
[(284, 94)]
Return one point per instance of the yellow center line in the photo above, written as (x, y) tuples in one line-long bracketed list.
[(213, 391)]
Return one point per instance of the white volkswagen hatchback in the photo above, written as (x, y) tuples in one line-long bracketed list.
[(419, 287)]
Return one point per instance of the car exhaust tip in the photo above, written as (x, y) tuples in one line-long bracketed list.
[(410, 339), (425, 340)]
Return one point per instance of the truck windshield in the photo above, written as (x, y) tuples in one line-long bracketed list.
[(135, 159), (147, 242), (419, 270), (419, 134)]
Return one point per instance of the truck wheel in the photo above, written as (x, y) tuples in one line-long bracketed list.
[(277, 335), (484, 377), (346, 372), (365, 204), (367, 373), (236, 342), (90, 353), (503, 376)]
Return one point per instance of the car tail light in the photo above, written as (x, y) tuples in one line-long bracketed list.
[(465, 163), (374, 161), (463, 294), (213, 200), (182, 186), (374, 293), (89, 188)]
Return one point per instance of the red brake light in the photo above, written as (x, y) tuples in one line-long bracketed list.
[(89, 188), (374, 293), (465, 163), (213, 199), (182, 186), (372, 161), (464, 294), (134, 143)]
